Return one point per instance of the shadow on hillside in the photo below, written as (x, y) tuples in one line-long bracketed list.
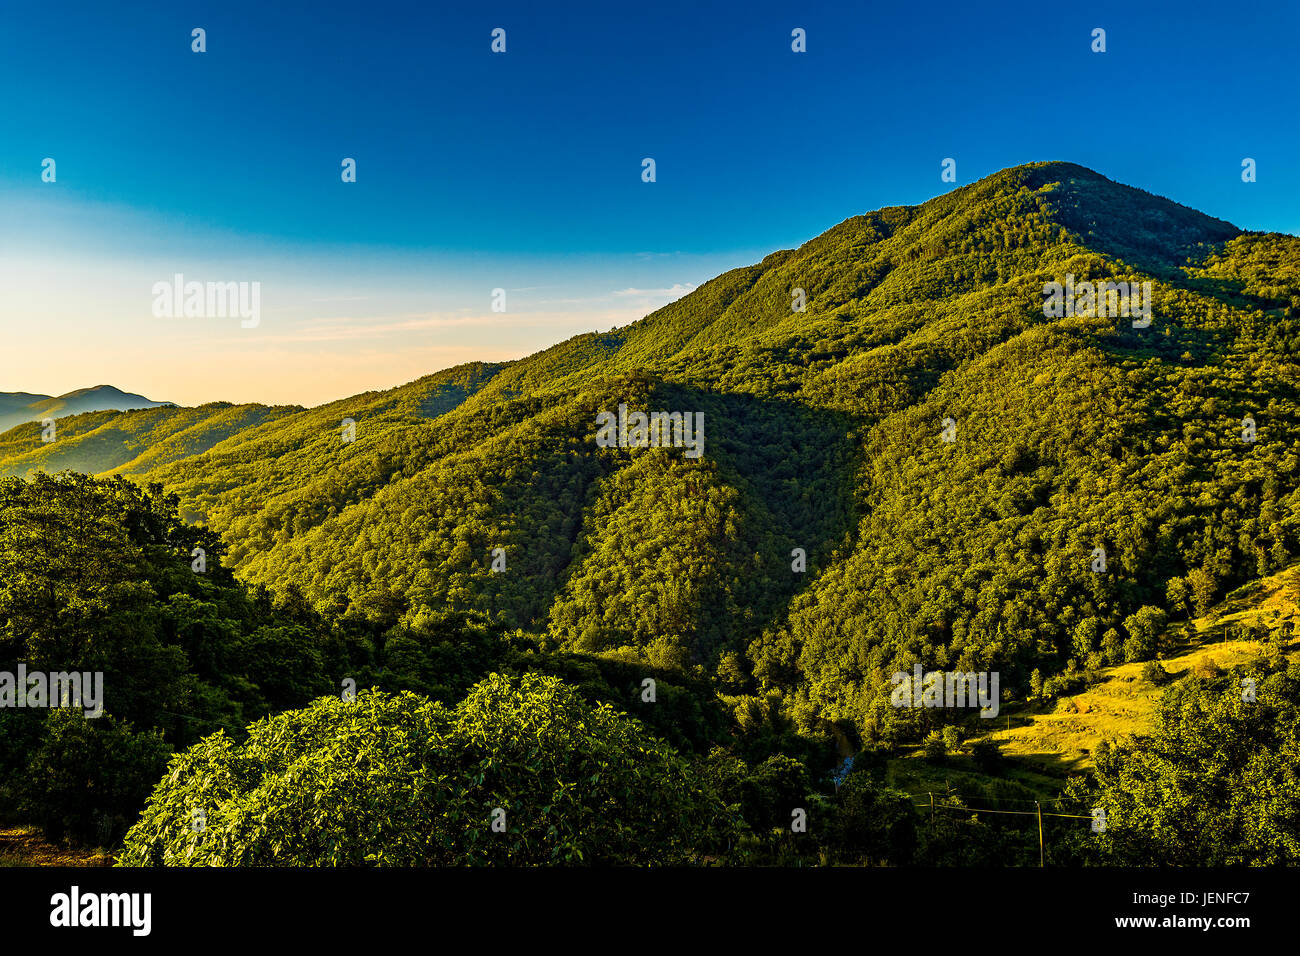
[(793, 469), (1051, 764), (1144, 230)]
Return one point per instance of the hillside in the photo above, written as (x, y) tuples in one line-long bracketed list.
[(823, 433), (1042, 742), (1234, 634)]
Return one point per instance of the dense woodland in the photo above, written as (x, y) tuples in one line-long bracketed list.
[(372, 561)]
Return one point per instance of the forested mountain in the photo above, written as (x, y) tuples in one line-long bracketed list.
[(824, 431)]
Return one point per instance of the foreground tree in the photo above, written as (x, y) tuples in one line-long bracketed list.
[(522, 771), (1216, 784)]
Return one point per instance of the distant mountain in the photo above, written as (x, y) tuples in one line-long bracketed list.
[(16, 401), (19, 407), (836, 529)]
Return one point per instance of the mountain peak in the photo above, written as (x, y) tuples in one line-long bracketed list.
[(96, 390), (1143, 228)]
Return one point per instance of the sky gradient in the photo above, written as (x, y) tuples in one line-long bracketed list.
[(522, 170)]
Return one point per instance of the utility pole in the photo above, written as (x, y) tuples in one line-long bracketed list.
[(1039, 807)]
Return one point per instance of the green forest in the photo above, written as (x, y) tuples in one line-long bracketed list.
[(468, 634)]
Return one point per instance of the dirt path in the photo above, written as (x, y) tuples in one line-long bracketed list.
[(24, 846)]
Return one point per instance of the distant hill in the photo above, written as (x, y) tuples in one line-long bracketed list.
[(19, 407), (14, 401), (824, 434)]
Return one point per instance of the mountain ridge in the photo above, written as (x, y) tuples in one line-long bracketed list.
[(824, 438)]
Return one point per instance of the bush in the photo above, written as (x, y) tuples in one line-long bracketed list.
[(952, 738), (1146, 630), (88, 777), (1112, 648), (872, 824), (1212, 784), (404, 781), (1153, 673), (933, 747), (987, 755), (771, 790)]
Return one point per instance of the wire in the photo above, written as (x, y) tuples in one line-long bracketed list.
[(1022, 813)]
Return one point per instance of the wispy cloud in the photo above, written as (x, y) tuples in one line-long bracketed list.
[(393, 330), (675, 291)]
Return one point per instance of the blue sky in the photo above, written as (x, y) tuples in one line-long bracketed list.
[(522, 170)]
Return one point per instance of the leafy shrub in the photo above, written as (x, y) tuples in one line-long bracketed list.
[(933, 747), (1212, 785), (404, 781), (1145, 629), (872, 824), (1153, 673), (772, 790), (987, 755), (951, 738)]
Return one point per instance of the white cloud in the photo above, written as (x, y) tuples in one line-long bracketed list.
[(676, 291)]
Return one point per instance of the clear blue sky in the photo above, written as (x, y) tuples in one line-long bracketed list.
[(523, 170)]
